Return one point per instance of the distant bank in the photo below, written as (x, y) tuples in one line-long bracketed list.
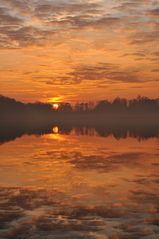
[(141, 110)]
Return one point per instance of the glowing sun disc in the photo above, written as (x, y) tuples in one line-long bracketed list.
[(55, 106)]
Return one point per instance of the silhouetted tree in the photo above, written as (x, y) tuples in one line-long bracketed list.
[(65, 107), (11, 109), (103, 106)]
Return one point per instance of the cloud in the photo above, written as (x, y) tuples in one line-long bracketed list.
[(143, 37), (133, 4), (49, 17), (153, 12), (21, 6), (7, 19), (77, 15), (99, 72), (84, 21), (47, 9), (27, 35)]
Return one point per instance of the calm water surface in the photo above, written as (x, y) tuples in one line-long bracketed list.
[(79, 186)]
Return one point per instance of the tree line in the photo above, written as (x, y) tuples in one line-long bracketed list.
[(12, 109)]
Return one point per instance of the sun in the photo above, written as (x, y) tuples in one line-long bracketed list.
[(55, 106)]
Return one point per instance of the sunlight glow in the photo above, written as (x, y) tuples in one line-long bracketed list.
[(55, 99), (55, 106)]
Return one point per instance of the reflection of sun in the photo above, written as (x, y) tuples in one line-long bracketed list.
[(55, 134), (55, 130), (55, 106)]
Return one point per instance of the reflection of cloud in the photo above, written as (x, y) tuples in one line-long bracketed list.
[(55, 136), (107, 163), (98, 163), (29, 213)]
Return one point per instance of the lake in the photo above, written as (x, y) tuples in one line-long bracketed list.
[(79, 183)]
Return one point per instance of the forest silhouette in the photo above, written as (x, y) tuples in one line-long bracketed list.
[(138, 118), (10, 109)]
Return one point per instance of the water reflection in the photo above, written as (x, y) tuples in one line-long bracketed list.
[(57, 181), (11, 131), (55, 130)]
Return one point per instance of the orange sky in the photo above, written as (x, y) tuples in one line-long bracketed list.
[(78, 50)]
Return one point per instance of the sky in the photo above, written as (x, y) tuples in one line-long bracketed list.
[(81, 50)]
